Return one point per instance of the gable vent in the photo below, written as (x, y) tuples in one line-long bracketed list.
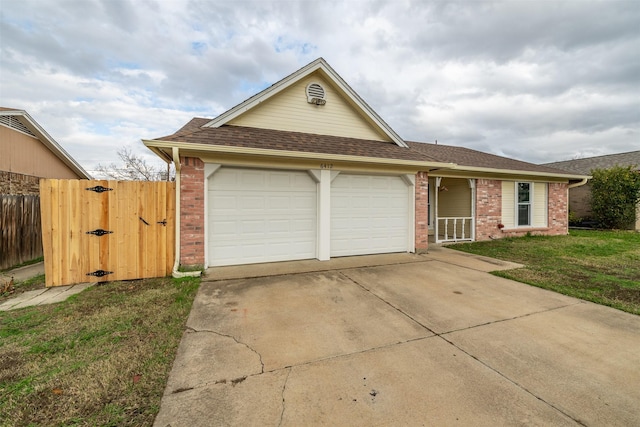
[(316, 94), (16, 124)]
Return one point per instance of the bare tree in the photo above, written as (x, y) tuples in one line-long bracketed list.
[(134, 168)]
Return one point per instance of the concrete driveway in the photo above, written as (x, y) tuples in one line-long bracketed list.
[(399, 340)]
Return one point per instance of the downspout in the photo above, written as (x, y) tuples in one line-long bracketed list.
[(175, 273)]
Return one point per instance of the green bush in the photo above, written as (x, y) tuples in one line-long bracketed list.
[(615, 193)]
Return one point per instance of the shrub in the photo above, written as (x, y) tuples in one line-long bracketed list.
[(615, 193)]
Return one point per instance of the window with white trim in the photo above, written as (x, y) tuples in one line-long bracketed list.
[(524, 203)]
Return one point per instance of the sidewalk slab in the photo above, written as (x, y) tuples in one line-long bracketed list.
[(21, 298), (43, 296), (472, 261)]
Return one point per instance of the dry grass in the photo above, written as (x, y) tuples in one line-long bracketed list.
[(100, 358)]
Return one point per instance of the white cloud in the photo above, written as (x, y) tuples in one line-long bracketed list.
[(536, 81)]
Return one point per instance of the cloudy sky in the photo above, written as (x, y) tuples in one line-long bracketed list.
[(539, 81)]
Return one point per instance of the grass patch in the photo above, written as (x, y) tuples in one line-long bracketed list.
[(598, 266), (100, 358)]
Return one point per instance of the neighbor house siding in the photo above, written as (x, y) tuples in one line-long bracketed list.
[(17, 183), (24, 154), (290, 111), (192, 215)]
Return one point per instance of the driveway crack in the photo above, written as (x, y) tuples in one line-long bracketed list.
[(520, 386), (236, 340), (387, 302), (284, 389)]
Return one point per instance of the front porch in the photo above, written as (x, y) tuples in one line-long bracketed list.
[(451, 210)]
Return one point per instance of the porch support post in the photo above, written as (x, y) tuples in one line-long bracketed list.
[(472, 227), (435, 212)]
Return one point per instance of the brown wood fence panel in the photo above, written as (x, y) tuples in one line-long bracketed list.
[(20, 231), (124, 232)]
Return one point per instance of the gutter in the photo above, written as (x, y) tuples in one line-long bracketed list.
[(175, 273), (521, 172), (579, 184)]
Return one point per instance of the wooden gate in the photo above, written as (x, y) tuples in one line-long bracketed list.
[(96, 231)]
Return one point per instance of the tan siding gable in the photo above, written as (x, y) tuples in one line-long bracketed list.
[(24, 154), (508, 204), (290, 111)]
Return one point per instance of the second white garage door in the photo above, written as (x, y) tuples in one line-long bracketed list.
[(260, 216), (369, 215)]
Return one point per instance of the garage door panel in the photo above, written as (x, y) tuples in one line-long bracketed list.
[(369, 214), (260, 216)]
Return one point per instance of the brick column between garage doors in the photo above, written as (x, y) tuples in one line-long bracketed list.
[(422, 212), (192, 215)]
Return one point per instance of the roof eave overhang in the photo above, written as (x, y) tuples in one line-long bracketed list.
[(503, 173), (163, 150), (318, 64), (49, 142)]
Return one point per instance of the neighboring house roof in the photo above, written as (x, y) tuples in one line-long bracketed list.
[(21, 121), (469, 159), (586, 165)]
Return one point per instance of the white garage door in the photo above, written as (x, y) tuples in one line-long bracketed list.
[(260, 216), (369, 215)]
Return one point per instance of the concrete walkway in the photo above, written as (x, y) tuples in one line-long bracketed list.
[(38, 296), (399, 340)]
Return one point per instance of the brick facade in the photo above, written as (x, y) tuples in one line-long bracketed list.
[(192, 215), (489, 212), (19, 184), (488, 208), (422, 212), (558, 221)]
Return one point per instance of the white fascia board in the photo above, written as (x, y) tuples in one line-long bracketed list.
[(318, 64), (515, 172), (157, 145), (49, 142)]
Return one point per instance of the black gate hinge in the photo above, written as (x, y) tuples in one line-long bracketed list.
[(99, 189), (99, 273), (99, 232)]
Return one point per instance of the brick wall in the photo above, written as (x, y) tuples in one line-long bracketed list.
[(19, 184), (489, 212), (488, 208), (422, 212), (558, 221), (192, 211)]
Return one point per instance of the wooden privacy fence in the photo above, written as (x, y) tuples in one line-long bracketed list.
[(20, 232), (96, 231)]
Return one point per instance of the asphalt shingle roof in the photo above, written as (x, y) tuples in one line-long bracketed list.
[(239, 136), (463, 156), (585, 166)]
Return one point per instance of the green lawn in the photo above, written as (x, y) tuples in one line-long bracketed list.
[(598, 266), (100, 358)]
